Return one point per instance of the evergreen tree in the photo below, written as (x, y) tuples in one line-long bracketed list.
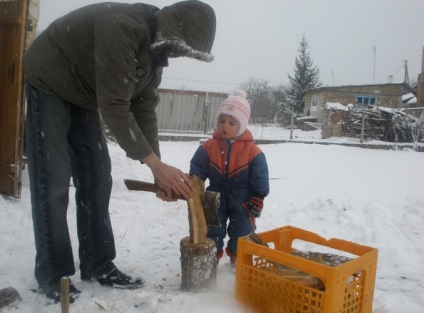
[(306, 76)]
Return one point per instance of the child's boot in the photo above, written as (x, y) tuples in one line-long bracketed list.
[(219, 255), (232, 255)]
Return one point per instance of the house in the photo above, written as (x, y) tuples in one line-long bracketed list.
[(358, 96)]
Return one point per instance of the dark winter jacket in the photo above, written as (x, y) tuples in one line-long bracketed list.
[(237, 170), (111, 55)]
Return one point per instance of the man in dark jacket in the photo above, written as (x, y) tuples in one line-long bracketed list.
[(107, 58)]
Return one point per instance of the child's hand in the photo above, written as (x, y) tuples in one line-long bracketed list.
[(254, 206)]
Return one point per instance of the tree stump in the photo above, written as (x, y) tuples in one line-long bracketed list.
[(198, 265), (8, 297)]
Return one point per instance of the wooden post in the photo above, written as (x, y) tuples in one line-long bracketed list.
[(64, 294), (12, 109), (362, 127), (198, 253), (205, 114), (291, 123)]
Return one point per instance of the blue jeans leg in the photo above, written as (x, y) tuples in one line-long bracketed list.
[(53, 144), (91, 168)]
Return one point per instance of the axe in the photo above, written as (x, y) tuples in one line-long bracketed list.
[(211, 199)]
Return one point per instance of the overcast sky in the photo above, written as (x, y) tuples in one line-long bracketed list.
[(259, 39)]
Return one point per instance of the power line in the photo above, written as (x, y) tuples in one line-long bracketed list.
[(201, 81)]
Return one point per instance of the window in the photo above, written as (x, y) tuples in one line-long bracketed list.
[(314, 101), (362, 102)]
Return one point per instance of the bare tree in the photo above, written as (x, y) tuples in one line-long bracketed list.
[(262, 100)]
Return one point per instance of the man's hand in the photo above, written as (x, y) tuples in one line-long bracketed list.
[(172, 181)]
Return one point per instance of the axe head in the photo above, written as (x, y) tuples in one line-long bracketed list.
[(211, 204)]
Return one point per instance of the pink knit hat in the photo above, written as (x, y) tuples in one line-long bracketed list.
[(237, 107)]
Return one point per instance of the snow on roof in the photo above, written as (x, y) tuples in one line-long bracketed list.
[(407, 97), (412, 101), (389, 110), (307, 118), (336, 106)]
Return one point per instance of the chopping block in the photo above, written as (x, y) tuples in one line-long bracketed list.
[(198, 253)]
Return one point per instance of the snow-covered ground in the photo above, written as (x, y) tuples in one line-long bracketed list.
[(371, 197)]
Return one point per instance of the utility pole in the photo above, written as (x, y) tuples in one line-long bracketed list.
[(422, 63), (291, 123), (374, 50), (205, 114), (406, 79)]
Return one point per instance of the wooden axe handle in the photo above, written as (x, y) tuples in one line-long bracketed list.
[(211, 199), (143, 186)]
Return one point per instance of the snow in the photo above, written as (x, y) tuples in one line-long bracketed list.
[(180, 48), (371, 197), (337, 106), (407, 97), (412, 101)]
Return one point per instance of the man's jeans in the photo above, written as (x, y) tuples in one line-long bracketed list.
[(63, 141)]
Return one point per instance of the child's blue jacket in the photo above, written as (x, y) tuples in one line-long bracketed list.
[(236, 169)]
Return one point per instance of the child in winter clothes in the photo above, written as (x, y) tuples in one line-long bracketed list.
[(236, 168)]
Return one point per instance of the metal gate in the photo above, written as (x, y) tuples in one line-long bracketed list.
[(182, 110)]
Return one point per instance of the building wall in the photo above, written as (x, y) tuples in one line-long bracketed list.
[(388, 95)]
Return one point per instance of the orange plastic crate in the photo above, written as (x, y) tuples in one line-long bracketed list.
[(349, 287)]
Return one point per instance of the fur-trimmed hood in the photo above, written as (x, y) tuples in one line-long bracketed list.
[(187, 29)]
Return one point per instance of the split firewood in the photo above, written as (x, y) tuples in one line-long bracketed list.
[(198, 253), (196, 216), (286, 271)]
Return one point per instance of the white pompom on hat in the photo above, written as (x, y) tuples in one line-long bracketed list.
[(237, 107)]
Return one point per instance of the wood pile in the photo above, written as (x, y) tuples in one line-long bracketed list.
[(404, 127), (382, 124), (372, 124)]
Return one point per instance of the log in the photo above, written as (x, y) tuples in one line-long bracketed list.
[(9, 297), (289, 272), (196, 215), (198, 265)]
